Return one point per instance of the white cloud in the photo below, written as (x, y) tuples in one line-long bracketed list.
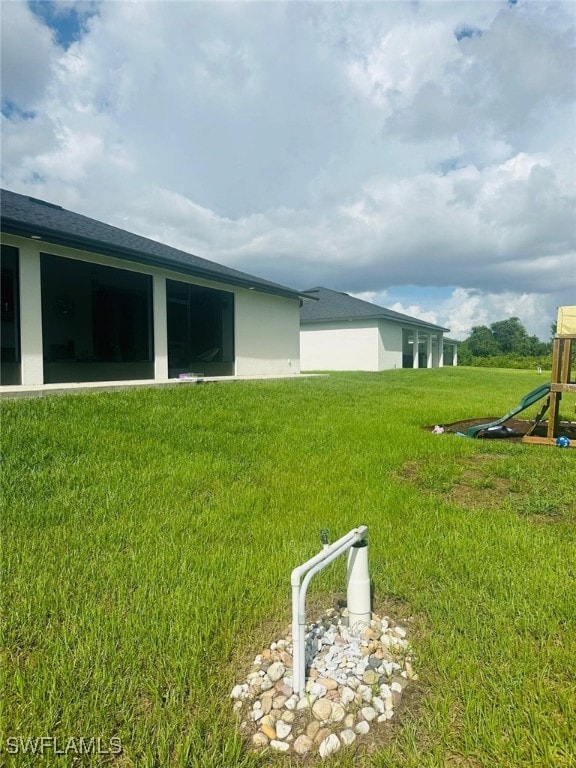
[(27, 50), (363, 147)]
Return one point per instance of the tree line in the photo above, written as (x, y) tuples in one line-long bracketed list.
[(505, 344)]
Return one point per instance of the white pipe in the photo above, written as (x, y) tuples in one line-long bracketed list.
[(310, 567), (358, 588)]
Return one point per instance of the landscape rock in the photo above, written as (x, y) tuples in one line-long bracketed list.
[(276, 671), (330, 745), (303, 744), (322, 709), (269, 731), (279, 746), (347, 737), (282, 729), (260, 740), (354, 684)]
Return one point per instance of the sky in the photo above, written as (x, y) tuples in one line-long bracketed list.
[(417, 154)]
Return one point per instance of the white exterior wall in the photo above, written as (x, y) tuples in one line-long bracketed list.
[(389, 345), (266, 331), (352, 346)]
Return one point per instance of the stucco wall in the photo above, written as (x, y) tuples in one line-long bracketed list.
[(348, 347), (266, 326), (266, 334), (389, 345)]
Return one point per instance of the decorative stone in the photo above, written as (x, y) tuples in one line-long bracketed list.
[(347, 737), (305, 703), (266, 683), (268, 720), (365, 693), (338, 713), (291, 702), (279, 702), (313, 728), (276, 671), (330, 745), (303, 744), (279, 746), (315, 689), (368, 713), (268, 731), (370, 677), (322, 734), (260, 740), (282, 729), (349, 721), (322, 709), (346, 696), (353, 681)]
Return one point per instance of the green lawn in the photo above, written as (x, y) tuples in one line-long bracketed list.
[(148, 538)]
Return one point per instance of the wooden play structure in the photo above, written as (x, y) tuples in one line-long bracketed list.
[(560, 380)]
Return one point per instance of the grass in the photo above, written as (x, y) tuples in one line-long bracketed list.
[(148, 537)]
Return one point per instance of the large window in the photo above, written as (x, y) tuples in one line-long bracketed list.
[(200, 330), (96, 322), (10, 316)]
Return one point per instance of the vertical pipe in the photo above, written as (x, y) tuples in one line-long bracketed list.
[(297, 646), (358, 587)]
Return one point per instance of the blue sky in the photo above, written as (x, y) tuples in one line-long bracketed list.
[(417, 154)]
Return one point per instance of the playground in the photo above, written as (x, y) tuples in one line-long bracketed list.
[(519, 428), (552, 430)]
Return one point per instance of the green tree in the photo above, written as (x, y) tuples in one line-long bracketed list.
[(511, 337), (481, 342)]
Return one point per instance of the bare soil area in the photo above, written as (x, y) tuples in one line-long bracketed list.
[(520, 427)]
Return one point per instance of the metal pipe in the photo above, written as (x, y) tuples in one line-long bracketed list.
[(309, 569)]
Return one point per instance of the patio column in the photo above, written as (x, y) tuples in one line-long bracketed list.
[(440, 350), (455, 355), (32, 361), (160, 328), (429, 350), (415, 348)]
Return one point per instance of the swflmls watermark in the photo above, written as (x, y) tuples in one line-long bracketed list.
[(55, 745)]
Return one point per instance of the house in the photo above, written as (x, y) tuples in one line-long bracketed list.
[(83, 301), (341, 333)]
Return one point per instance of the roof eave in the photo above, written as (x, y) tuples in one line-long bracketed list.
[(56, 237), (350, 318)]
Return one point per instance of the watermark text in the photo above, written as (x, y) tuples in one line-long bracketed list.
[(55, 745)]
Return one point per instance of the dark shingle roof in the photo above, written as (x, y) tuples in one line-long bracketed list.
[(28, 216), (333, 305)]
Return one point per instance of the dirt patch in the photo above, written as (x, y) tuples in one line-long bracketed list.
[(520, 427), (471, 486)]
